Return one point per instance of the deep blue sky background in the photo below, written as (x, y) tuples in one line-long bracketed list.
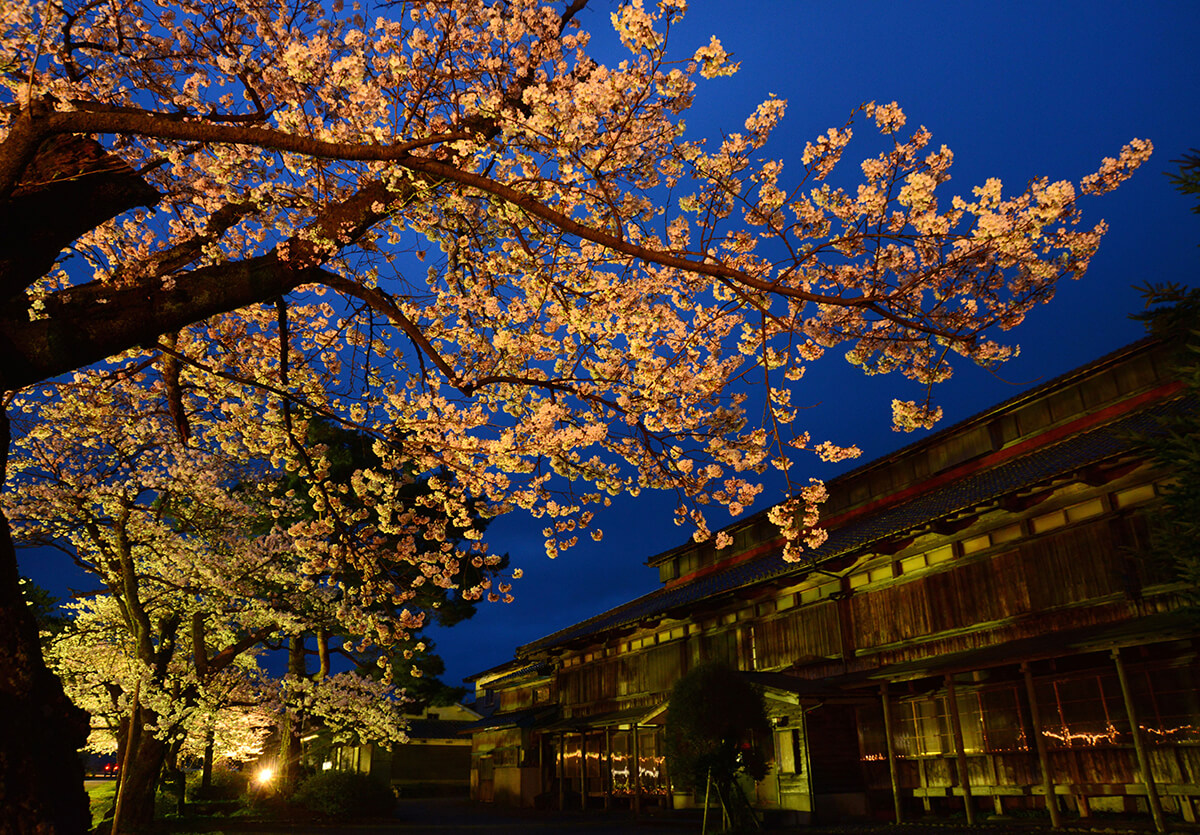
[(1017, 90)]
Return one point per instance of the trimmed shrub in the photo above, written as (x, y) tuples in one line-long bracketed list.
[(345, 794), (715, 724), (227, 784)]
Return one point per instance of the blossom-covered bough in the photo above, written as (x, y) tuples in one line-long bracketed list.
[(446, 224)]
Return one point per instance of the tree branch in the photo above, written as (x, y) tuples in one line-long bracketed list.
[(91, 322)]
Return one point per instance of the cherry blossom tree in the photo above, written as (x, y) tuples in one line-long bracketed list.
[(448, 225), (195, 578), (226, 715)]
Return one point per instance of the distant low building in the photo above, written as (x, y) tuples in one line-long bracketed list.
[(979, 630), (435, 761)]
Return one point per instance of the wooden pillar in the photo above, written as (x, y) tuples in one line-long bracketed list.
[(637, 772), (1139, 745), (1039, 744), (923, 774), (964, 777), (583, 771), (891, 751), (665, 772), (562, 772), (608, 777)]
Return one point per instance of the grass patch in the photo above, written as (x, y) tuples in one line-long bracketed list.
[(100, 798)]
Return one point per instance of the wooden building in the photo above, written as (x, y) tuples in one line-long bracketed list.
[(978, 632), (434, 762)]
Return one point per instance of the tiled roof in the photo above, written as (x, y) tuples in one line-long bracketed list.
[(1039, 466), (437, 728), (535, 669), (526, 718), (1113, 357)]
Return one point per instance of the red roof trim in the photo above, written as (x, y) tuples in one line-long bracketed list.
[(1050, 436)]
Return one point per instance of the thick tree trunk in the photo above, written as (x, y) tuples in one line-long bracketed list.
[(289, 733), (68, 170), (210, 739), (41, 732), (139, 779)]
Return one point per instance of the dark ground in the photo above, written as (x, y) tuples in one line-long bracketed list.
[(443, 816)]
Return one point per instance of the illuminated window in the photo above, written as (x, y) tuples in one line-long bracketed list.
[(946, 552), (1134, 495), (1006, 534), (923, 729), (1085, 510), (976, 543), (883, 572), (1083, 711), (1049, 521), (814, 593)]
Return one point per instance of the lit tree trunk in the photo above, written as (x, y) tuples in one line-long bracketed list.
[(139, 779), (142, 753), (41, 732), (323, 654), (177, 774), (210, 739), (289, 732)]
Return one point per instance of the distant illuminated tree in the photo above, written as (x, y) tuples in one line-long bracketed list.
[(244, 192), (196, 582)]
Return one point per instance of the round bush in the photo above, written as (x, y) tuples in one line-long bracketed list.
[(226, 785), (716, 722), (345, 794)]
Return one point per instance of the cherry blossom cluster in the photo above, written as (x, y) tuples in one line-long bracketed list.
[(487, 273)]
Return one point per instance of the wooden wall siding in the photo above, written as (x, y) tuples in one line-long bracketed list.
[(833, 750), (1073, 565), (1016, 769), (801, 635), (1098, 766), (719, 645), (516, 698), (1179, 766), (1060, 569), (652, 670)]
